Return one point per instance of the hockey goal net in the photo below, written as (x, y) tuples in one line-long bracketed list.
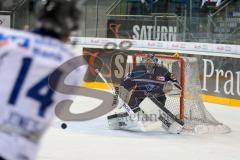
[(187, 104)]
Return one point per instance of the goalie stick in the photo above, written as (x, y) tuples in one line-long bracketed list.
[(125, 106), (168, 118)]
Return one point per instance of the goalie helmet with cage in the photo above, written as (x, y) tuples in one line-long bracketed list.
[(149, 61), (59, 16)]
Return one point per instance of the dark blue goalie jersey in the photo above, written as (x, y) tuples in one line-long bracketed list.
[(142, 81)]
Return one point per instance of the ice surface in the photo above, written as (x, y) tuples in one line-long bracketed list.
[(92, 140)]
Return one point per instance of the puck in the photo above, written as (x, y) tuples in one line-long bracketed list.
[(64, 125)]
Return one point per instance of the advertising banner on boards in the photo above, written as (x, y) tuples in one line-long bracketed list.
[(219, 76)]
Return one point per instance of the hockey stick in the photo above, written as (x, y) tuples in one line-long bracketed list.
[(167, 112), (105, 81), (125, 106)]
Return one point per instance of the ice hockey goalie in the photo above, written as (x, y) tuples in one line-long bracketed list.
[(152, 80)]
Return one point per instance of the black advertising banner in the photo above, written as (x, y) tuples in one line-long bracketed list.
[(161, 29), (220, 76)]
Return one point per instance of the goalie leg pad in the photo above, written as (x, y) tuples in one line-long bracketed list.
[(125, 122), (170, 122), (116, 121)]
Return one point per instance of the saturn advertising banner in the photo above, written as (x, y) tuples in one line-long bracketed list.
[(160, 29)]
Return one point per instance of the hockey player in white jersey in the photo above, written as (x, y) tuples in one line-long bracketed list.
[(26, 60)]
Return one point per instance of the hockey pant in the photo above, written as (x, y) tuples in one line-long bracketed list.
[(137, 98)]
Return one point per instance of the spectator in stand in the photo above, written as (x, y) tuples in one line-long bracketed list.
[(148, 5), (155, 6)]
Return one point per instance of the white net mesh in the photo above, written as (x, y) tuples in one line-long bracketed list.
[(195, 115)]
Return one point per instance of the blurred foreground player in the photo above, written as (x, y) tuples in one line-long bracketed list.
[(26, 60), (149, 79)]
